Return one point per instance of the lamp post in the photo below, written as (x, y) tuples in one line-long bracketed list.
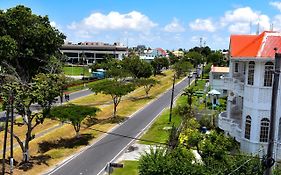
[(172, 99)]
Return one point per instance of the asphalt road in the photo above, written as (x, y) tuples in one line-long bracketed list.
[(72, 96), (93, 160)]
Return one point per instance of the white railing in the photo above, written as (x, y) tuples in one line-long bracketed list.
[(234, 85), (229, 126)]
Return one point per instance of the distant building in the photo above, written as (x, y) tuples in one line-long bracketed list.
[(217, 77), (178, 53), (91, 52), (249, 86), (150, 54)]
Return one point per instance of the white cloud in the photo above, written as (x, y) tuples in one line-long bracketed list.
[(134, 20), (203, 25), (276, 4), (53, 24), (240, 20), (174, 26), (277, 23)]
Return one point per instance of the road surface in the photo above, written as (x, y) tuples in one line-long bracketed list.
[(93, 160)]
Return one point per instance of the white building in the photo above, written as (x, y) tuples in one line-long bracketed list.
[(217, 76), (249, 92)]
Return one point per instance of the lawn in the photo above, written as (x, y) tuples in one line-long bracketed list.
[(76, 70), (158, 131), (130, 168)]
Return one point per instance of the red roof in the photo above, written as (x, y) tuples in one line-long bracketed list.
[(255, 45)]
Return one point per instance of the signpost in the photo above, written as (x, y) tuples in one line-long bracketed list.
[(109, 167)]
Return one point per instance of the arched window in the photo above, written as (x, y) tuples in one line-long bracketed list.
[(268, 74), (279, 131), (251, 71), (264, 132), (248, 127)]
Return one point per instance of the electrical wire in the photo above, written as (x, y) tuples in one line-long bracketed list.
[(126, 136)]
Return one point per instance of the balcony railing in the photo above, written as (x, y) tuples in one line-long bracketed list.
[(230, 126), (234, 85)]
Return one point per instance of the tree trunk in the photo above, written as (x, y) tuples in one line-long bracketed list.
[(114, 110), (27, 140)]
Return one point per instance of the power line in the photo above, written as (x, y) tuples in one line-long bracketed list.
[(126, 136)]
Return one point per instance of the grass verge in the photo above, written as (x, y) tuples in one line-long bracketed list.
[(130, 168)]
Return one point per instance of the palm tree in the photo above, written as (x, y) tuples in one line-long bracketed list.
[(189, 92)]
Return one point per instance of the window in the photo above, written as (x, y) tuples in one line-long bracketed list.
[(251, 71), (264, 130), (236, 67), (268, 74), (279, 131), (248, 127)]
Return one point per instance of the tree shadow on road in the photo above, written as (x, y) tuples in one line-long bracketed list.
[(65, 143)]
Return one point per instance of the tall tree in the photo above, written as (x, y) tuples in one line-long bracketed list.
[(73, 113), (29, 45), (43, 90), (116, 89), (33, 40)]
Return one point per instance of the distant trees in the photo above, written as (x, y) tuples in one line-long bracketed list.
[(182, 67), (138, 68), (158, 64)]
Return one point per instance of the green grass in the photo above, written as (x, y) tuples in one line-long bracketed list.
[(76, 71), (156, 132), (130, 168)]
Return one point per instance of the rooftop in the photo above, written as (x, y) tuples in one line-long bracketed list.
[(261, 46), (220, 69)]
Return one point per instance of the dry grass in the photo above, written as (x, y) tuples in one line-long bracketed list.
[(53, 155)]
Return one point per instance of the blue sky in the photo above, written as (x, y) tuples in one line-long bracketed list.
[(156, 23)]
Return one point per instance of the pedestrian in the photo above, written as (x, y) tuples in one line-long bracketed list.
[(66, 97)]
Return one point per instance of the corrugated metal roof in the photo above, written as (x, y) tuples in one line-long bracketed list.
[(255, 45)]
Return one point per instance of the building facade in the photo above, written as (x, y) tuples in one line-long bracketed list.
[(91, 52), (217, 76), (249, 86)]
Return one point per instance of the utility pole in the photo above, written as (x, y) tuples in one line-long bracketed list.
[(5, 139), (11, 101), (172, 99), (269, 158)]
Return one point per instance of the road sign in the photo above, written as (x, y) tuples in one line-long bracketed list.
[(108, 169), (116, 165)]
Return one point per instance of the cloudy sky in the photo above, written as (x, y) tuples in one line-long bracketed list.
[(169, 24)]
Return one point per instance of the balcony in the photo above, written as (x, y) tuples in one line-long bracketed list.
[(234, 85), (231, 126)]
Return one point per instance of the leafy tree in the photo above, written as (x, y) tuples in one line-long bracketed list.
[(189, 92), (195, 58), (73, 113), (216, 58), (30, 42), (172, 58), (158, 64), (181, 68), (43, 90), (147, 83), (115, 89), (137, 67)]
